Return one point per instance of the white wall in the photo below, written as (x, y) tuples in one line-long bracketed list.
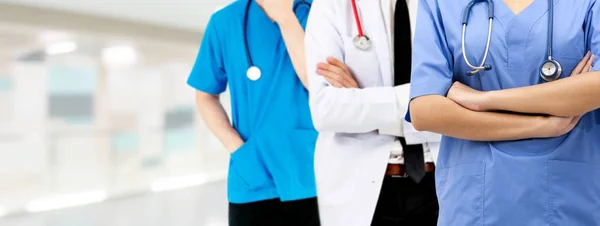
[(187, 14)]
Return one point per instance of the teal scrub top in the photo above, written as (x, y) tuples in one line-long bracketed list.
[(554, 181), (271, 114)]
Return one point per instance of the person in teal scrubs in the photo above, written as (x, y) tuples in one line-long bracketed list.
[(517, 149), (271, 137)]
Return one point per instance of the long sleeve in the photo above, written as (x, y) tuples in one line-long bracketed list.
[(405, 129), (334, 109)]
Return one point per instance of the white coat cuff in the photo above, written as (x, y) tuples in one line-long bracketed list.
[(402, 93), (413, 136)]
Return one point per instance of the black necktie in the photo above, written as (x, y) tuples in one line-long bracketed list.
[(413, 154)]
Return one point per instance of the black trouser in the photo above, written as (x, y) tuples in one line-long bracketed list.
[(403, 202), (273, 212)]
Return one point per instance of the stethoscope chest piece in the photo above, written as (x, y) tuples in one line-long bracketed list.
[(253, 73), (550, 70), (362, 42)]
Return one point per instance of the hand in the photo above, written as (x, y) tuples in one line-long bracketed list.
[(585, 65), (336, 73), (467, 97), (556, 126), (234, 146), (278, 10)]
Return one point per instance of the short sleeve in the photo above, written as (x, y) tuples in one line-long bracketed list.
[(593, 33), (208, 74), (432, 61), (302, 13)]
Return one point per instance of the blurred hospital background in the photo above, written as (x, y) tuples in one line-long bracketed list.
[(97, 125)]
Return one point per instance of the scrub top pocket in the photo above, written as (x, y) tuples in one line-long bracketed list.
[(303, 143), (574, 191), (461, 189), (249, 166)]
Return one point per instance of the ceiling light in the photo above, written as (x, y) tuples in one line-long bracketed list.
[(60, 48), (119, 55)]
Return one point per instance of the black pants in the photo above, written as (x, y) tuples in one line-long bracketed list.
[(403, 202), (273, 212)]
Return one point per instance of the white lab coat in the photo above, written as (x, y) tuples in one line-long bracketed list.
[(350, 156)]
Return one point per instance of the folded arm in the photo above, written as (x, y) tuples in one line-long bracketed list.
[(571, 96), (459, 122), (353, 110), (575, 95)]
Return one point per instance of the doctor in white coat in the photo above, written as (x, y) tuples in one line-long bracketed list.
[(360, 166)]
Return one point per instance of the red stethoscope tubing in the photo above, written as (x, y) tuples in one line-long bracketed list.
[(356, 17)]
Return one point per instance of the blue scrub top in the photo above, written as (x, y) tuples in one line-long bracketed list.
[(554, 181), (271, 114)]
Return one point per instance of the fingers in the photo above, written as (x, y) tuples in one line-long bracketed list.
[(575, 120), (588, 65), (332, 68), (334, 79), (338, 63), (332, 73), (345, 68), (336, 73), (573, 123), (348, 76), (331, 78), (582, 63)]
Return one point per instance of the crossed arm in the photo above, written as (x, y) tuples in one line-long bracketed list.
[(469, 114), (572, 96)]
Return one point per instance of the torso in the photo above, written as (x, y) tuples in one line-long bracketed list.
[(524, 182), (278, 96)]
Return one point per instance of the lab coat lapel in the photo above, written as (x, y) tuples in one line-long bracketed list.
[(374, 26)]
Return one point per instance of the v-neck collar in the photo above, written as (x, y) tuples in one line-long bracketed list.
[(263, 15), (532, 13), (259, 14)]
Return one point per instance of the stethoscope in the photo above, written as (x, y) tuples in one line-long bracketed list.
[(361, 41), (550, 69), (253, 71)]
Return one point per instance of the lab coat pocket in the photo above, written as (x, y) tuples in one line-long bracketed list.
[(249, 166), (363, 64), (337, 168), (574, 193), (460, 191)]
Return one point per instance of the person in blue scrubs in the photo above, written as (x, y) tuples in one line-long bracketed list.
[(517, 150), (271, 138)]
